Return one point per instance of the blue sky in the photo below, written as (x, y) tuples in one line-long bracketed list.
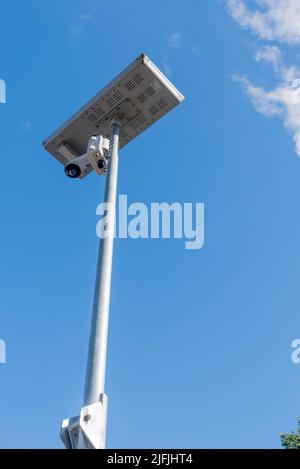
[(199, 345)]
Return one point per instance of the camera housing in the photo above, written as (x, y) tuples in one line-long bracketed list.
[(97, 153), (96, 157), (78, 167)]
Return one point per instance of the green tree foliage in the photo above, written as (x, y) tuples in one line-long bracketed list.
[(291, 440)]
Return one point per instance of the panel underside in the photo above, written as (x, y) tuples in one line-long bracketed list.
[(139, 97)]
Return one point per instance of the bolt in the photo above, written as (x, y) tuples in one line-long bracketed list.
[(86, 418)]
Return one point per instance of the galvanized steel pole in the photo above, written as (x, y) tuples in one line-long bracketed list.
[(96, 365)]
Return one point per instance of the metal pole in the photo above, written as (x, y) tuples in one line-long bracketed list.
[(96, 365)]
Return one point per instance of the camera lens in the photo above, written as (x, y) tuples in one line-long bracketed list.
[(72, 170), (101, 164)]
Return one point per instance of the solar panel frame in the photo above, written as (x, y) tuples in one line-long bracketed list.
[(139, 96)]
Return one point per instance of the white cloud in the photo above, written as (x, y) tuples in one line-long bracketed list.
[(269, 54), (261, 100), (166, 65), (271, 20), (26, 125), (78, 26), (174, 39), (274, 20), (87, 17), (283, 101), (196, 50)]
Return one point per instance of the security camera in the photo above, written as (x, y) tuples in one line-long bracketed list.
[(96, 157), (78, 167), (97, 153)]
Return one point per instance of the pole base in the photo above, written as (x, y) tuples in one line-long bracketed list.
[(87, 430)]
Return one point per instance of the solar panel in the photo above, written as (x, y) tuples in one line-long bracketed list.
[(139, 96)]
